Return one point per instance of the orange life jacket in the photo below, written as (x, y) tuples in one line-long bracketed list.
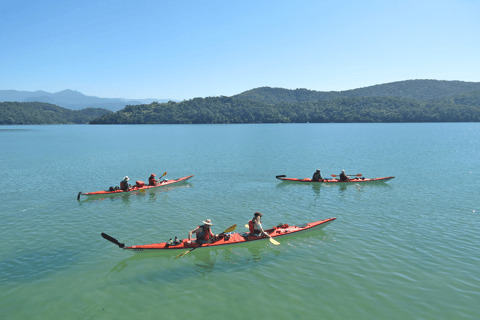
[(151, 181), (251, 226)]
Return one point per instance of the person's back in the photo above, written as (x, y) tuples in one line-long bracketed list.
[(124, 184), (343, 176), (317, 176), (151, 180)]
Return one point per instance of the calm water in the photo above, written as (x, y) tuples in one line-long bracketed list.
[(405, 249)]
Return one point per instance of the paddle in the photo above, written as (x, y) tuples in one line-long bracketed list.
[(357, 175), (113, 240), (273, 241), (163, 175), (229, 229)]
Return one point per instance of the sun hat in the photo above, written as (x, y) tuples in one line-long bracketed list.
[(208, 222), (154, 175), (126, 178), (258, 214), (319, 170)]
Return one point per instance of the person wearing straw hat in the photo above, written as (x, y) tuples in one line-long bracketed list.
[(343, 176), (124, 184), (203, 233)]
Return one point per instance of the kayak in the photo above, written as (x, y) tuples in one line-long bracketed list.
[(229, 238), (135, 188), (332, 181)]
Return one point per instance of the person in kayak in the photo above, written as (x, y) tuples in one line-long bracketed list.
[(124, 184), (255, 226), (317, 176), (203, 233), (343, 176), (151, 180)]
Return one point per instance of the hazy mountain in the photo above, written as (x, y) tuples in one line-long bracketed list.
[(73, 100)]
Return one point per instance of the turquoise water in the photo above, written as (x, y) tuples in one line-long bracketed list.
[(405, 249)]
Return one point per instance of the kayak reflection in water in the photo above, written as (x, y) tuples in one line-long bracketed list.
[(203, 233), (255, 225), (317, 176)]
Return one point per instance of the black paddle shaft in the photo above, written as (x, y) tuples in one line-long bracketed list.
[(112, 240)]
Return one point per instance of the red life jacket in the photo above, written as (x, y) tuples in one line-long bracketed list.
[(151, 181), (204, 235), (251, 226)]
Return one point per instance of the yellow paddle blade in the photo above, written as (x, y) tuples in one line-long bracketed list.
[(183, 253), (164, 174), (230, 229), (275, 242), (142, 190), (246, 226), (334, 175)]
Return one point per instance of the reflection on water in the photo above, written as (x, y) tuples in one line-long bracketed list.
[(125, 197), (165, 267)]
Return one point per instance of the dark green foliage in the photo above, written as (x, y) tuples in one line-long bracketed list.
[(464, 107), (45, 113), (415, 89)]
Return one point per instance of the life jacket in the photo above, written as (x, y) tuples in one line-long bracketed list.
[(124, 185), (204, 235), (151, 181), (251, 226)]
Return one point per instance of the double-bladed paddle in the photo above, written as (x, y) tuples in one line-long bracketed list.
[(229, 229), (357, 175)]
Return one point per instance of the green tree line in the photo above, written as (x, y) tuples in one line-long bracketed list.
[(45, 113), (464, 107)]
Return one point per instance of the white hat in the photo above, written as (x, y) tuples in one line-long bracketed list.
[(126, 178), (208, 222)]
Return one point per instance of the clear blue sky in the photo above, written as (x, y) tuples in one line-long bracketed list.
[(183, 49)]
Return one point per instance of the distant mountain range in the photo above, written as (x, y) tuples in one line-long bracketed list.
[(72, 100)]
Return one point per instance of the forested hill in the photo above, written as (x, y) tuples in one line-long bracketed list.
[(463, 107), (414, 89), (45, 113)]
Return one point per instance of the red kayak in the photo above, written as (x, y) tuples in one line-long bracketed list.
[(136, 187), (332, 181), (229, 238)]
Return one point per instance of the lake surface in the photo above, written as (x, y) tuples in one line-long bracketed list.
[(405, 249)]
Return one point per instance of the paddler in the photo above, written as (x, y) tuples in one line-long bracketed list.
[(255, 226), (343, 176), (317, 176), (124, 184), (151, 180), (203, 233)]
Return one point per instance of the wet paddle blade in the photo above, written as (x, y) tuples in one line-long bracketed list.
[(230, 229), (273, 241)]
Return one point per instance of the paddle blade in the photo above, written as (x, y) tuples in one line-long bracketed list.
[(246, 226), (184, 253), (359, 175), (164, 174), (112, 240), (333, 175), (230, 229), (273, 241), (280, 176)]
